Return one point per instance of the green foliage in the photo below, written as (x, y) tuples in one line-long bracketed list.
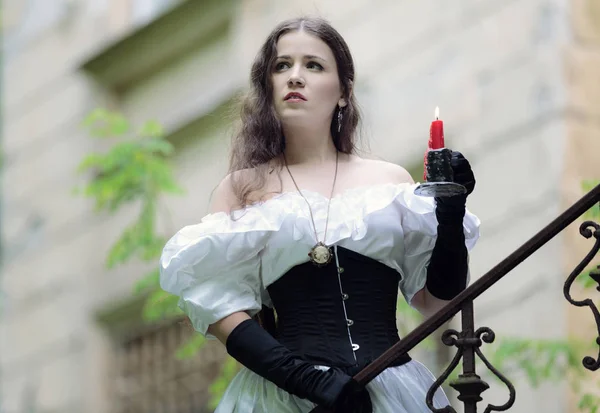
[(189, 349), (589, 403), (585, 280), (161, 305), (228, 370), (593, 214), (540, 359), (149, 283), (408, 315), (133, 171), (409, 319), (101, 123)]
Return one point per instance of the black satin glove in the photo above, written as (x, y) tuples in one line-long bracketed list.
[(448, 266), (257, 350)]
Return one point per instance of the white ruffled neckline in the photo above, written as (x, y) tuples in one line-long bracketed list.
[(349, 211), (345, 195)]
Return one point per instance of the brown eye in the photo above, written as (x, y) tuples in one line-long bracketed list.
[(281, 65), (314, 65)]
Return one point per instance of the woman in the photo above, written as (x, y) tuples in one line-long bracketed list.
[(305, 226)]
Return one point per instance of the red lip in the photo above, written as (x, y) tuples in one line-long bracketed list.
[(294, 95)]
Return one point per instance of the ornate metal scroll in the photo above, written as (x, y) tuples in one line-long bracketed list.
[(586, 230), (469, 384)]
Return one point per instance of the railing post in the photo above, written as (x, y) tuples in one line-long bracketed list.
[(468, 384)]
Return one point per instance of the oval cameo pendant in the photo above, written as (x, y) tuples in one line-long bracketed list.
[(320, 254)]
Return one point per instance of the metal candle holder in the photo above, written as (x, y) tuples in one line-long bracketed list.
[(439, 176)]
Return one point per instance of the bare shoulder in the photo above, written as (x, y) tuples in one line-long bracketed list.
[(224, 198), (388, 171)]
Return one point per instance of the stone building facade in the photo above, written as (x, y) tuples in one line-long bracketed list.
[(518, 87)]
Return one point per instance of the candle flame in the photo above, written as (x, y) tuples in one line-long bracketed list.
[(437, 113)]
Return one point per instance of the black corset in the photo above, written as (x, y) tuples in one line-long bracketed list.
[(346, 321)]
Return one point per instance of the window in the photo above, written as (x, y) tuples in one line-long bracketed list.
[(148, 378)]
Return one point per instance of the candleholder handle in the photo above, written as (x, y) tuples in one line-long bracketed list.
[(440, 177)]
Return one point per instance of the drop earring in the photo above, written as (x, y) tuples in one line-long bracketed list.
[(339, 119)]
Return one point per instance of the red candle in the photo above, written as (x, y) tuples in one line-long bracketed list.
[(436, 132), (436, 139)]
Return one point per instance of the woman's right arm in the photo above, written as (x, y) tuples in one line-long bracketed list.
[(222, 328)]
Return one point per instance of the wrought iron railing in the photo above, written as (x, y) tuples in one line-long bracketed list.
[(468, 341)]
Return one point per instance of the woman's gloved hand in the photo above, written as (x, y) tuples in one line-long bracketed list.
[(354, 399), (463, 175), (257, 350)]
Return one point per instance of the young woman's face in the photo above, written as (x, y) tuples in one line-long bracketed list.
[(305, 66)]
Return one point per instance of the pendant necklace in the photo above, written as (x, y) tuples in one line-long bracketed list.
[(320, 254)]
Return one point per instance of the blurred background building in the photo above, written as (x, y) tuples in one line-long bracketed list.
[(518, 85)]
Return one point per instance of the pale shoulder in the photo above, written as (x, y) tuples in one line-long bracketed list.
[(389, 171), (224, 198)]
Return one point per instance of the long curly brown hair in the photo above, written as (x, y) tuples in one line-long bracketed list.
[(260, 139)]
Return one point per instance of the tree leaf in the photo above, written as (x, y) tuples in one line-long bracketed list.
[(594, 212), (589, 403), (217, 388), (152, 129), (585, 280), (148, 283), (161, 305), (190, 347)]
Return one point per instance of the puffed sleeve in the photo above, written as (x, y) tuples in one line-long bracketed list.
[(419, 225), (214, 268)]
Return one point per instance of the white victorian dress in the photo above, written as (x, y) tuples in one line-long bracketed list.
[(382, 238)]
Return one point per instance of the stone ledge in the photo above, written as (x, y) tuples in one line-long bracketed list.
[(121, 317), (148, 48)]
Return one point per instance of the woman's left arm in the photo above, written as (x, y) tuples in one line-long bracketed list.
[(426, 303), (448, 268)]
